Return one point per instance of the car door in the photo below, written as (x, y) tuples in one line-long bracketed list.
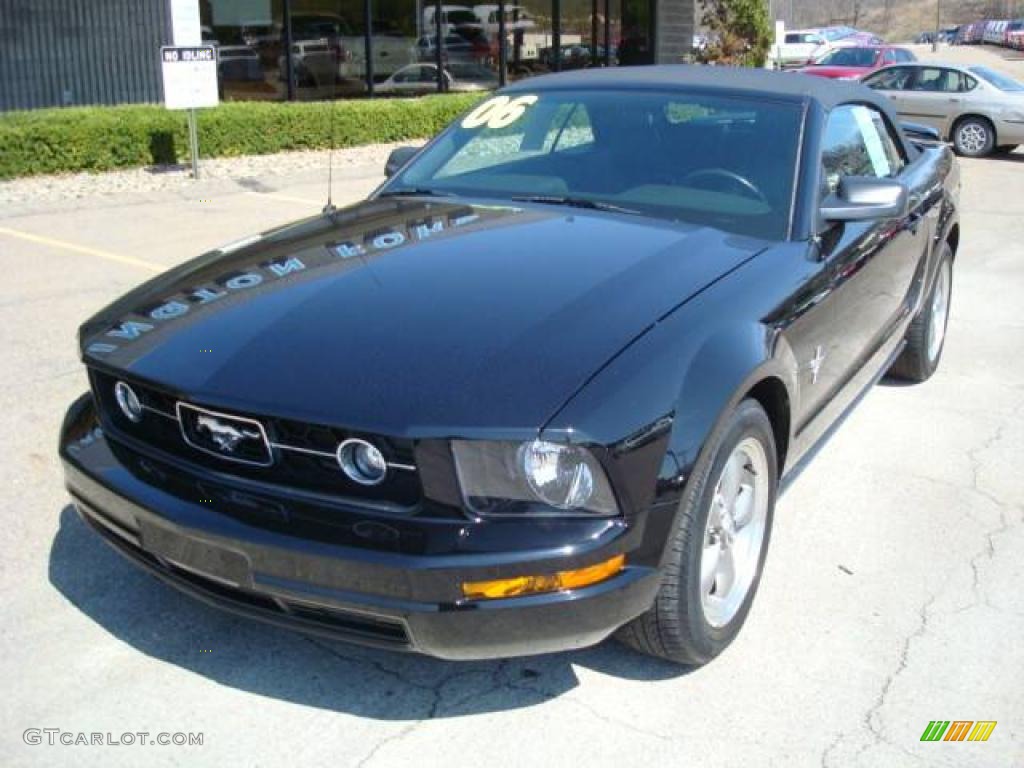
[(935, 97), (893, 82), (872, 263), (398, 83), (889, 57), (427, 82)]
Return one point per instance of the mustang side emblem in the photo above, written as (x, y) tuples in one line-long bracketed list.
[(815, 363), (225, 436)]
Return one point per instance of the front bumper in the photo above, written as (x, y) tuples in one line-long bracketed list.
[(373, 594)]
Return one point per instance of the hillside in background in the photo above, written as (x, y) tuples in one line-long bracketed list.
[(895, 20)]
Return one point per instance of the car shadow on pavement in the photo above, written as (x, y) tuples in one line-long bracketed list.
[(248, 655)]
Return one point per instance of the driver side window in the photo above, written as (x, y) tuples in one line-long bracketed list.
[(891, 79), (858, 142)]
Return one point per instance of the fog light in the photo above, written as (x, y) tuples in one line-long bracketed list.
[(128, 402), (527, 585), (362, 462)]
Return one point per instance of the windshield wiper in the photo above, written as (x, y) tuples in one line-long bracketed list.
[(414, 192), (576, 202)]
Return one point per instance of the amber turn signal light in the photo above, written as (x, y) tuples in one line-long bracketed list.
[(529, 585)]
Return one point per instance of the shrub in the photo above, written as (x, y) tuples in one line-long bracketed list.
[(740, 32), (104, 138)]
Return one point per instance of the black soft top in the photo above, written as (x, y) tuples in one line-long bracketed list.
[(738, 81)]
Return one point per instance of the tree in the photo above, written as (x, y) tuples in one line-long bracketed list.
[(740, 32)]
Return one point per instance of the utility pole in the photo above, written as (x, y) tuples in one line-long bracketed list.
[(938, 25)]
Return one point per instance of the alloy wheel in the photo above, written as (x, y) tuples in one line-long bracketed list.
[(734, 532), (939, 310), (972, 137)]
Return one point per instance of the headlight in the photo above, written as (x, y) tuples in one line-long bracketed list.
[(507, 478)]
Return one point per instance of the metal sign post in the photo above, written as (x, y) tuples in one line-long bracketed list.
[(190, 82), (193, 142)]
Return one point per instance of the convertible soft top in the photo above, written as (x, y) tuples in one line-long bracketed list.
[(739, 80)]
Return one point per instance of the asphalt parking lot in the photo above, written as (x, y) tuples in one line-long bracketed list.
[(892, 594)]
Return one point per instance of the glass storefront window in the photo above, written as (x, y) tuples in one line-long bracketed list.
[(636, 44), (248, 40), (327, 56), (395, 51), (328, 48)]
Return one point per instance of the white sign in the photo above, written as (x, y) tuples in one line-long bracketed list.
[(780, 32), (190, 76), (185, 25)]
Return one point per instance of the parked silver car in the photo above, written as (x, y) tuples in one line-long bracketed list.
[(419, 79), (976, 108)]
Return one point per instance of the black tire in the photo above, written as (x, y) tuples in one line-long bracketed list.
[(917, 362), (974, 137), (675, 627)]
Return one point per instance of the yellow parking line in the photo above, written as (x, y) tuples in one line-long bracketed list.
[(120, 259)]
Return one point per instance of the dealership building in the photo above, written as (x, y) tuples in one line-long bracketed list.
[(76, 52)]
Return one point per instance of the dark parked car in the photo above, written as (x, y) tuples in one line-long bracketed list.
[(544, 385)]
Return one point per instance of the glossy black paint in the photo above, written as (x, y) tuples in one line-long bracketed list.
[(480, 294), (430, 319)]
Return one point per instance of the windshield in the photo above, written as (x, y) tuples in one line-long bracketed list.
[(724, 162), (999, 80), (850, 57)]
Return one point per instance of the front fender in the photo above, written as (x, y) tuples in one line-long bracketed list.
[(678, 380), (726, 367), (650, 410)]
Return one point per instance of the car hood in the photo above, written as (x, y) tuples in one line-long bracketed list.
[(411, 316)]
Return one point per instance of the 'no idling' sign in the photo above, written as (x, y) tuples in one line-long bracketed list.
[(190, 76)]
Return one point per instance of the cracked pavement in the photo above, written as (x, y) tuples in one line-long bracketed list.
[(892, 594)]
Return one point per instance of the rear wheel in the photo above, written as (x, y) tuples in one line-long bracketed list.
[(717, 551), (926, 336), (974, 137)]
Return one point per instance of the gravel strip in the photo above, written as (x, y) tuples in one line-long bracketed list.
[(178, 178)]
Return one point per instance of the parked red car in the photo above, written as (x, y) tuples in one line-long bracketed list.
[(853, 62)]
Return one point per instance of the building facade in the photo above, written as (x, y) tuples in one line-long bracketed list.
[(75, 52)]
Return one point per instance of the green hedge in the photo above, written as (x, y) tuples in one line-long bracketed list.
[(103, 138)]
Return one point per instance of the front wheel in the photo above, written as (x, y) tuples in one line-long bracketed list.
[(717, 551)]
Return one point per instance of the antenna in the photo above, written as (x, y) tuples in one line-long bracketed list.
[(329, 207)]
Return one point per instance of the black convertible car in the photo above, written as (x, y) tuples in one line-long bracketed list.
[(543, 385)]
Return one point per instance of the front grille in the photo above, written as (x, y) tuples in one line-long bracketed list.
[(302, 455)]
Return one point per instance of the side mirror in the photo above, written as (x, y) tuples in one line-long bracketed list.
[(398, 158), (920, 132), (861, 198)]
